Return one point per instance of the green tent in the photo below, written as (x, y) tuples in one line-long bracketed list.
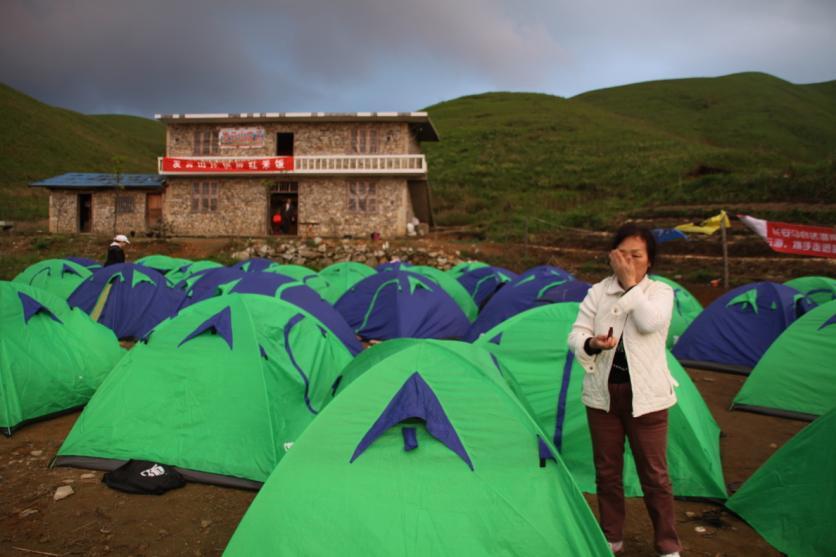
[(796, 376), (217, 391), (820, 289), (163, 263), (791, 499), (686, 308), (453, 287), (174, 276), (52, 357), (341, 276), (464, 267), (427, 452), (57, 276), (301, 273), (531, 348)]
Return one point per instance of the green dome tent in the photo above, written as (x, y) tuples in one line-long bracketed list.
[(686, 308), (342, 276), (464, 267), (426, 452), (57, 276), (791, 499), (175, 276), (217, 391), (531, 348), (796, 376), (163, 263), (301, 273), (820, 289), (52, 357), (453, 287)]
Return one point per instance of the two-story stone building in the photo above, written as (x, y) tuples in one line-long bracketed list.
[(230, 174)]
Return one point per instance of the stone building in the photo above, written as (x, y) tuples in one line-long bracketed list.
[(256, 174)]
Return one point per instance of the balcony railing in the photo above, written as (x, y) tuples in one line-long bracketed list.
[(302, 165)]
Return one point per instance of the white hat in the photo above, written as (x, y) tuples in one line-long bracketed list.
[(121, 238)]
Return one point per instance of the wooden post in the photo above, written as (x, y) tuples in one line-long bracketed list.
[(725, 252), (526, 241)]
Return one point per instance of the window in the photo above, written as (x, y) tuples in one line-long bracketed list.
[(204, 197), (205, 142), (124, 204), (364, 140), (362, 197)]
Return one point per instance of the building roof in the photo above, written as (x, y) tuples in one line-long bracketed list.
[(89, 180), (419, 121)]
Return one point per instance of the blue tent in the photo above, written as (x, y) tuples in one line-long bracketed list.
[(736, 329), (127, 298), (401, 304), (217, 282), (254, 265), (393, 266), (537, 286), (483, 282), (89, 263)]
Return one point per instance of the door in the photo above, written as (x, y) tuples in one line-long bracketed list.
[(85, 212), (153, 210), (284, 145), (284, 211)]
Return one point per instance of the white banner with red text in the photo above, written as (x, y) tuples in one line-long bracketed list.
[(173, 165)]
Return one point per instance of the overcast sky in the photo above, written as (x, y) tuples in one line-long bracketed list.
[(153, 56)]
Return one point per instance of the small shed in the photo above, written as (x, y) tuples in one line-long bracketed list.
[(101, 203)]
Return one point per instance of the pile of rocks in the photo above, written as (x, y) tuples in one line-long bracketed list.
[(317, 253)]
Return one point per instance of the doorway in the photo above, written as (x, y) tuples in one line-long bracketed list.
[(153, 210), (85, 212), (284, 144), (284, 209)]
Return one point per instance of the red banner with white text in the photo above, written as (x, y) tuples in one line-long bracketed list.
[(223, 165), (801, 239)]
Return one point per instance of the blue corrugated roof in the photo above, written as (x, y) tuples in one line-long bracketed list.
[(87, 180)]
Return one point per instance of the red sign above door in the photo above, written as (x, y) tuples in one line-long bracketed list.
[(175, 165)]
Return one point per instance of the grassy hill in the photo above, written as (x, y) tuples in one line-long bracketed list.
[(508, 161), (38, 141), (580, 161)]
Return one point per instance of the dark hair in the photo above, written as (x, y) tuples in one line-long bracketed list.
[(631, 229)]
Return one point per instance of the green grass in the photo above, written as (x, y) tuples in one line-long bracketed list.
[(511, 162), (38, 141), (590, 160)]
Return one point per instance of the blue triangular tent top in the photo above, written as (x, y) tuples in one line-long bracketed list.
[(415, 400)]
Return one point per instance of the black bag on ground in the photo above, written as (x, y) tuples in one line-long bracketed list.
[(142, 476)]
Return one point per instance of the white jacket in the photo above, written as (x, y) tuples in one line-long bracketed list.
[(643, 316)]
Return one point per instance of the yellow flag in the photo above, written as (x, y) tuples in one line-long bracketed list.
[(708, 226)]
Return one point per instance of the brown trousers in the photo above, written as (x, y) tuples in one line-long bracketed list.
[(648, 436)]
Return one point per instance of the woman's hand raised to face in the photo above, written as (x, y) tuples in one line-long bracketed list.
[(623, 268)]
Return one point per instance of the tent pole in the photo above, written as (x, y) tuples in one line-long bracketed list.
[(725, 252)]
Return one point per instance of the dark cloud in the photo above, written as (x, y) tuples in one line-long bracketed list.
[(262, 55)]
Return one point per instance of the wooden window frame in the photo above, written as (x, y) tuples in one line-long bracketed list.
[(365, 140), (361, 197), (125, 204), (206, 142), (204, 197)]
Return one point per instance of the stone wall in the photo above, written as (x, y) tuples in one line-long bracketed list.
[(63, 212), (242, 208), (325, 201), (103, 207), (315, 138), (323, 208)]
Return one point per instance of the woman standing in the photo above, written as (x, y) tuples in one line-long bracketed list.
[(619, 338)]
